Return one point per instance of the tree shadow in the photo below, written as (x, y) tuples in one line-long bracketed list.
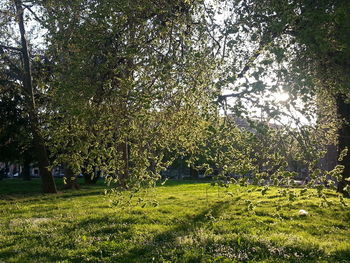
[(35, 197), (165, 246), (240, 247)]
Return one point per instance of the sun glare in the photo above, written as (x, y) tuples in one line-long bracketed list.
[(281, 96)]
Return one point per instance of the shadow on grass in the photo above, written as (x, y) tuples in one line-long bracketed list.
[(32, 198), (194, 240), (174, 182), (342, 256), (165, 247), (17, 188), (190, 239), (30, 191)]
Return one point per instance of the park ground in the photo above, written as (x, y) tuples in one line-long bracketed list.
[(175, 222)]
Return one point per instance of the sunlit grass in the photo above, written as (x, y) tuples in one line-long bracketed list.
[(177, 222)]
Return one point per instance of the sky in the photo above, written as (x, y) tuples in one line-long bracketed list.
[(277, 98)]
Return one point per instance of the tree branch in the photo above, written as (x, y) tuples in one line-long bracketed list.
[(11, 48), (33, 13), (12, 66), (262, 46)]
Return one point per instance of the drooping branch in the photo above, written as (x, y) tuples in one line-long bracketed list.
[(262, 46)]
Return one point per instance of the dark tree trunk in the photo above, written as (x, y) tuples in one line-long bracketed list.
[(26, 169), (126, 159), (71, 179), (90, 178), (124, 174), (193, 173), (48, 181), (2, 172), (343, 111)]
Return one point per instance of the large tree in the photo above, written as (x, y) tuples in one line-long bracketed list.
[(299, 46), (135, 91), (127, 82), (18, 67)]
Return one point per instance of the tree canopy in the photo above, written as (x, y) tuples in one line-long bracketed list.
[(127, 87)]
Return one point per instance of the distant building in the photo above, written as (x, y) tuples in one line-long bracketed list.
[(15, 170)]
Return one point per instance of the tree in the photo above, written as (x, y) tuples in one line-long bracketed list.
[(304, 45), (124, 99), (120, 101), (15, 140), (23, 74), (323, 29)]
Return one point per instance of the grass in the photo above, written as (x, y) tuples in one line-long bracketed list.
[(177, 222)]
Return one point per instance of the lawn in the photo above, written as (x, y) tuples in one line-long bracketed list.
[(177, 222)]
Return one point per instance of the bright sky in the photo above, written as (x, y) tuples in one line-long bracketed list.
[(279, 98)]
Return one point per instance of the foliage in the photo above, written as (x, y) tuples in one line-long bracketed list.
[(294, 47), (133, 104), (15, 140), (127, 87)]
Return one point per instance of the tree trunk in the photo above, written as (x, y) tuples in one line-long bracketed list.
[(193, 172), (126, 158), (2, 172), (48, 181), (26, 169), (343, 111), (91, 178), (124, 174), (71, 179)]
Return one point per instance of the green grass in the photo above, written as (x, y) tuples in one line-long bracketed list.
[(180, 222)]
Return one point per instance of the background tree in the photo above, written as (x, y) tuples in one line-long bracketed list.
[(321, 32), (301, 47), (20, 69), (16, 142)]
